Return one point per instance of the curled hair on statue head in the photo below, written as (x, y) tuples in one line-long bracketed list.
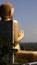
[(6, 9)]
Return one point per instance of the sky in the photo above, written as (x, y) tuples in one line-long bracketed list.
[(26, 15)]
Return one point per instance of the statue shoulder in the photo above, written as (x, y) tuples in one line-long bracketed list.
[(15, 21)]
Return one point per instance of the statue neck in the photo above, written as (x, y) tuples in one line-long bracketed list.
[(6, 18)]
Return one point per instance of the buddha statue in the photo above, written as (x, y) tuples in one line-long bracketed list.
[(9, 27)]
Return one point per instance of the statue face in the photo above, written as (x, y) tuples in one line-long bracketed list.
[(12, 12)]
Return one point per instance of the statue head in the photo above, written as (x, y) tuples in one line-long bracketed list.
[(6, 11)]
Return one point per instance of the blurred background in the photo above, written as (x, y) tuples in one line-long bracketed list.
[(26, 14)]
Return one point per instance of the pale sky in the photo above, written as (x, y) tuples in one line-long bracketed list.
[(26, 14)]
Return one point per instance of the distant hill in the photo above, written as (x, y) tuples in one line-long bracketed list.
[(32, 46)]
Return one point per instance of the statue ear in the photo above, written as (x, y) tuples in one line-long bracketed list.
[(12, 12)]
